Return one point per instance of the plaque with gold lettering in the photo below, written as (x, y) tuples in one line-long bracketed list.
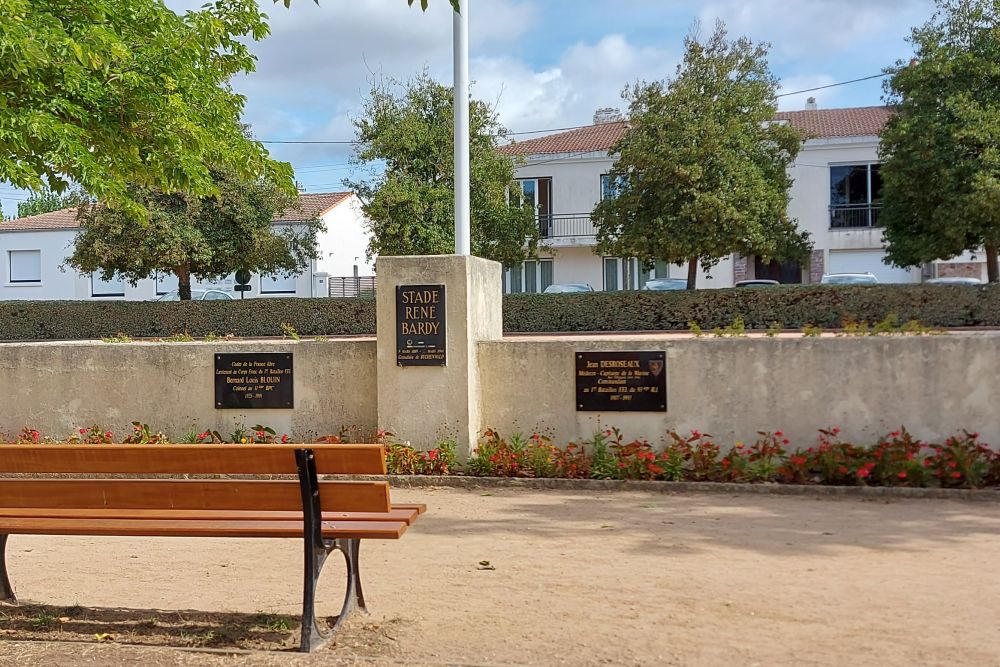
[(420, 333), (253, 380), (621, 382)]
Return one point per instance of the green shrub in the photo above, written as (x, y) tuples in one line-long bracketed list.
[(76, 320), (794, 306)]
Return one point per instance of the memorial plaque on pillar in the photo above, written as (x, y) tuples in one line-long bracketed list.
[(250, 381), (621, 382), (421, 339)]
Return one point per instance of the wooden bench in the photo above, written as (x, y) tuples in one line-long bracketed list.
[(326, 515)]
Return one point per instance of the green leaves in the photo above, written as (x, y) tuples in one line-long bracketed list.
[(409, 128), (109, 92), (941, 148), (702, 167)]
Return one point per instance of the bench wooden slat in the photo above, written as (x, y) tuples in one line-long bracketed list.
[(405, 514), (198, 528), (265, 495), (190, 459)]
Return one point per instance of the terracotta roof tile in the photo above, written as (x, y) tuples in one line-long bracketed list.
[(821, 123), (62, 219), (582, 140), (826, 123), (310, 206)]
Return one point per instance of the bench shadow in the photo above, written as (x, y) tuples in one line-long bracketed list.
[(150, 627)]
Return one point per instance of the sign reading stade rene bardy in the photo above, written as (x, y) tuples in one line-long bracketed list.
[(421, 339)]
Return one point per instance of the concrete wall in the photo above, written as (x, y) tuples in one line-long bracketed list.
[(56, 387), (732, 388), (727, 387)]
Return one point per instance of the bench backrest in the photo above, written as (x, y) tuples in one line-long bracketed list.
[(263, 495)]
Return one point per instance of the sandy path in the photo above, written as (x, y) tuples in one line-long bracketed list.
[(580, 579)]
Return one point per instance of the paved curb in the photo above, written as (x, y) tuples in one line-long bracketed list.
[(817, 491)]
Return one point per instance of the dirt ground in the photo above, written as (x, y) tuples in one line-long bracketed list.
[(579, 579)]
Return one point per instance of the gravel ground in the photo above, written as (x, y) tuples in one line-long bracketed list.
[(580, 578)]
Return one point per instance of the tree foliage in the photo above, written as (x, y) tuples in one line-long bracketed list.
[(46, 201), (941, 148), (702, 171), (109, 92), (408, 128), (202, 237)]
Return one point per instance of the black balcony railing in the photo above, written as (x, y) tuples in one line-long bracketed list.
[(853, 216), (566, 225), (351, 286)]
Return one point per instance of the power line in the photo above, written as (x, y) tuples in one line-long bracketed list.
[(834, 85), (580, 127)]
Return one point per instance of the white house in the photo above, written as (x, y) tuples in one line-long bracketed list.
[(835, 196), (33, 251)]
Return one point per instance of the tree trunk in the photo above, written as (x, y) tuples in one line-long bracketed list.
[(992, 270), (692, 273), (184, 284)]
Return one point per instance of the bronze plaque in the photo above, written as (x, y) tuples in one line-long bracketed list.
[(421, 338), (253, 380), (621, 382)]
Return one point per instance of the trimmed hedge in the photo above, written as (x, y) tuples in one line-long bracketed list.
[(77, 320), (793, 307)]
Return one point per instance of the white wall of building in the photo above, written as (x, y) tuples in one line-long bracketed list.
[(344, 244), (344, 239)]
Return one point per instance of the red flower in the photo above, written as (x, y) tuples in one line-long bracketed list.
[(835, 430), (902, 475), (432, 455), (952, 464), (956, 475), (656, 470), (785, 441), (83, 430), (864, 472), (778, 434), (798, 460), (894, 434), (284, 439)]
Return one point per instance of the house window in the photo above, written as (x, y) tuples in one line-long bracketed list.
[(166, 282), (620, 274), (855, 195), (610, 188), (102, 288), (531, 277), (537, 193), (25, 266), (277, 284)]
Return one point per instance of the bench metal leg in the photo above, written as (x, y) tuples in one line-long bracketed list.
[(316, 551), (6, 590)]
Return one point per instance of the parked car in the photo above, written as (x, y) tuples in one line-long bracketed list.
[(848, 279), (199, 295), (760, 282), (567, 288), (666, 284), (954, 280)]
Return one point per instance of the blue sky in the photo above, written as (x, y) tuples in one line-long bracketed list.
[(545, 63)]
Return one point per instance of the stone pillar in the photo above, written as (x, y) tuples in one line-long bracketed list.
[(816, 267), (422, 404)]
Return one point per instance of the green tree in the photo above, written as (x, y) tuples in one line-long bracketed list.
[(702, 171), (202, 237), (46, 201), (940, 149), (108, 92), (408, 129)]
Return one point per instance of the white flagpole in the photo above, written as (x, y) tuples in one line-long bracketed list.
[(463, 234)]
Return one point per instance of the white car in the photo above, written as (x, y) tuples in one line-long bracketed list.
[(848, 279), (198, 295), (568, 288), (953, 280)]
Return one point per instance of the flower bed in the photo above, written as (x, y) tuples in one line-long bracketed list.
[(896, 459)]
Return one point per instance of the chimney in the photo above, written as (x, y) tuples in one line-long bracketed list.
[(607, 115), (811, 104)]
